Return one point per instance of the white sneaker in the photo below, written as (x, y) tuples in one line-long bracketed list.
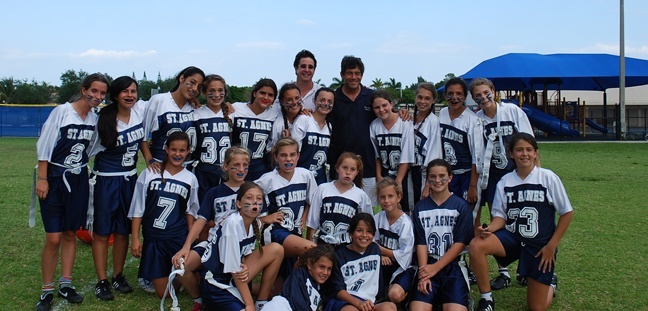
[(146, 285)]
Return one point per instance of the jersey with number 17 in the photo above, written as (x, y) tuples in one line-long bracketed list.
[(256, 132), (163, 204)]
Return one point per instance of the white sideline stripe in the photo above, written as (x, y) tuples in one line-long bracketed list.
[(61, 303)]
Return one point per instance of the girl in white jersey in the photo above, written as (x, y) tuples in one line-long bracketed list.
[(62, 185), (335, 203), (254, 126), (218, 203), (213, 127), (291, 107), (393, 143), (524, 226), (427, 143), (171, 112), (115, 146)]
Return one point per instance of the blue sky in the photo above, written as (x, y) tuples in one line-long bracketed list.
[(246, 40)]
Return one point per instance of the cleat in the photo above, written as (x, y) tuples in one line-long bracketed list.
[(521, 279), (45, 302), (486, 305), (120, 284), (146, 285), (554, 284), (500, 282), (471, 277), (103, 292), (69, 293)]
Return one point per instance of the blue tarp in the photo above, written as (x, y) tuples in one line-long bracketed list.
[(587, 72), (23, 121)]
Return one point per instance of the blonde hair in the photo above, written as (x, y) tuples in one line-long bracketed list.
[(229, 156), (386, 183)]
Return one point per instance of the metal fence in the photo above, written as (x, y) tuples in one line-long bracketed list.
[(23, 120)]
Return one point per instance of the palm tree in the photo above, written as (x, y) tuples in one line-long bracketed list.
[(392, 84), (7, 88), (337, 82), (377, 84)]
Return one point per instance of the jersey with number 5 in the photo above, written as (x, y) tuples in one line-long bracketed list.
[(123, 156), (438, 227), (529, 206), (65, 137), (163, 205)]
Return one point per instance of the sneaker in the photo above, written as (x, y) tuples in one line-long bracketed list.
[(522, 280), (45, 302), (146, 285), (197, 306), (69, 293), (554, 284), (471, 277), (102, 290), (501, 281), (259, 304), (485, 305), (120, 284)]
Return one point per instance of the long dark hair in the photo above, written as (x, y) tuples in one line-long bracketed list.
[(261, 83), (187, 72), (313, 254), (285, 88), (429, 87), (107, 123)]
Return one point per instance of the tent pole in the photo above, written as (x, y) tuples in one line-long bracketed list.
[(622, 73)]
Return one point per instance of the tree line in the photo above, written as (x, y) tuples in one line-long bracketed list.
[(34, 92)]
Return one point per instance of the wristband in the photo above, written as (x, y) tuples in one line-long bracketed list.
[(151, 161)]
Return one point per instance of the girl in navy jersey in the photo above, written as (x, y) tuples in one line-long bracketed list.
[(254, 126), (524, 226), (357, 276), (304, 288), (230, 261), (171, 112), (213, 126), (115, 146), (219, 202), (335, 203), (164, 206), (62, 184), (393, 142), (313, 133), (443, 226), (291, 107), (427, 143), (395, 236)]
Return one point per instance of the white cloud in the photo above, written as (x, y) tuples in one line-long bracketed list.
[(113, 54), (261, 45), (305, 22)]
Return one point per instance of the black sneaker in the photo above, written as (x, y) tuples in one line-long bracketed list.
[(103, 291), (521, 279), (45, 302), (120, 284), (69, 293), (471, 277), (485, 305), (500, 282), (554, 284)]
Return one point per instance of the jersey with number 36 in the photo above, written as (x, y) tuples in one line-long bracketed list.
[(163, 205), (529, 205)]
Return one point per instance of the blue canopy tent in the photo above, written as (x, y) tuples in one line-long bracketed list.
[(585, 72)]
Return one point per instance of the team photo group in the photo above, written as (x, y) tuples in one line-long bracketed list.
[(303, 198)]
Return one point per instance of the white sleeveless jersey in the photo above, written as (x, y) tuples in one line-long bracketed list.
[(398, 237)]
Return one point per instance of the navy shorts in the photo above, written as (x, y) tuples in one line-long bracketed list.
[(488, 194), (63, 210), (156, 258), (112, 199), (275, 233), (406, 280), (459, 185), (417, 182), (448, 286), (200, 248), (215, 298), (516, 250), (336, 304), (208, 176)]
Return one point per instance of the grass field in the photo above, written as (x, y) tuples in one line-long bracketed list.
[(602, 262)]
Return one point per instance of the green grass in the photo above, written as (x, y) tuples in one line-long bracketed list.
[(601, 262)]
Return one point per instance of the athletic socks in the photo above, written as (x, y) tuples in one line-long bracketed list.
[(198, 300), (505, 272), (65, 282), (47, 288), (487, 296)]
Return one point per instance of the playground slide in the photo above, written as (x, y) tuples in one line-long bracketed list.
[(595, 126), (548, 123)]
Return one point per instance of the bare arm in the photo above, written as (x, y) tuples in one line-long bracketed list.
[(136, 245), (42, 185)]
